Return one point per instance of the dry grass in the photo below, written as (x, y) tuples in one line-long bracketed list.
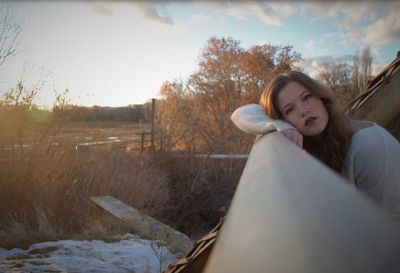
[(201, 190), (45, 189), (17, 232)]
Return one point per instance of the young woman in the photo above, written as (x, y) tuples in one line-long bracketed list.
[(306, 113)]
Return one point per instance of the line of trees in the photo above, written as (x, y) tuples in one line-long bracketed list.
[(194, 114), (19, 101), (347, 80), (132, 113)]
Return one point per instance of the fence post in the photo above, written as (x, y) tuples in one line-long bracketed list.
[(142, 136), (153, 109)]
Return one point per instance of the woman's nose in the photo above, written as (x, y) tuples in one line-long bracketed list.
[(304, 111)]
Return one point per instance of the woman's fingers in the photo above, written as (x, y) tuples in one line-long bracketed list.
[(294, 136)]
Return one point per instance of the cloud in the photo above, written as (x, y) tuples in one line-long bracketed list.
[(343, 38), (266, 14), (315, 65), (310, 46), (360, 23), (203, 19), (378, 67), (385, 30), (284, 9), (237, 12), (270, 13), (149, 11), (312, 66), (356, 13), (375, 34), (103, 8), (344, 14)]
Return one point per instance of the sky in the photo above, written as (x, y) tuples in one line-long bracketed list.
[(117, 53)]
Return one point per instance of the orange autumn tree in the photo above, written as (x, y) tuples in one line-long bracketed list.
[(195, 114)]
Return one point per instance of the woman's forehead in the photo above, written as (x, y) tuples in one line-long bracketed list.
[(291, 91)]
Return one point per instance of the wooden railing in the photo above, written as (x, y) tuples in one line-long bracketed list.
[(292, 214)]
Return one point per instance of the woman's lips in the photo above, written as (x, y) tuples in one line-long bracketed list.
[(309, 121)]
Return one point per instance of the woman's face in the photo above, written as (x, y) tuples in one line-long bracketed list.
[(302, 109)]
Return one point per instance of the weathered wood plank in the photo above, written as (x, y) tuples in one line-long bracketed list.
[(290, 213), (381, 101), (143, 224)]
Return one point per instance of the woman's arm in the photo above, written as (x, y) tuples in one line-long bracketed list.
[(252, 119), (373, 165)]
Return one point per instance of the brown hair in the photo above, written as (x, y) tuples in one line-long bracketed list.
[(336, 136)]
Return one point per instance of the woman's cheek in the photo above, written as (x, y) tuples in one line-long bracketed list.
[(294, 122)]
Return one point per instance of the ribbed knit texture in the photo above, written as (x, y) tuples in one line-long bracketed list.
[(373, 165)]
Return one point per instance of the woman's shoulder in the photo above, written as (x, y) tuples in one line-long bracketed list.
[(368, 137), (357, 125), (362, 128)]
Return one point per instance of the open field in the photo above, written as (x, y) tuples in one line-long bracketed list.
[(84, 132), (80, 135), (46, 183)]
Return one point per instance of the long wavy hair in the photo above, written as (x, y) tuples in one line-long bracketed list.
[(336, 136)]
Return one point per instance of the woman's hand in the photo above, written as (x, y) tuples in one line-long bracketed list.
[(294, 136)]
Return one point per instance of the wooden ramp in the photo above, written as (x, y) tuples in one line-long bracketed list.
[(196, 259), (381, 100), (142, 224)]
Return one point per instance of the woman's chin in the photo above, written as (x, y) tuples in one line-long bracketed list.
[(312, 132)]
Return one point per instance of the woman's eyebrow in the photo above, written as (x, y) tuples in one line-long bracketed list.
[(286, 105), (290, 103), (302, 93)]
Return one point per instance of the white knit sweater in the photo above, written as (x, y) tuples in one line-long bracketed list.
[(372, 161)]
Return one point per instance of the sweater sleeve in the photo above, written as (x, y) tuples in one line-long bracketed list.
[(373, 163), (252, 119)]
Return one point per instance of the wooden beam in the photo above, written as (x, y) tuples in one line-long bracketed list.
[(290, 213), (381, 102), (143, 224)]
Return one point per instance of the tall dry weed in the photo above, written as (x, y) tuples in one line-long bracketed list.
[(46, 181), (201, 191)]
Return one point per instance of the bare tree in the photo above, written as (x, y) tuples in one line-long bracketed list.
[(362, 69), (10, 31), (355, 72), (337, 77), (366, 62)]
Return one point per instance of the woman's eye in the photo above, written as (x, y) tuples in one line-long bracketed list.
[(288, 110), (307, 97)]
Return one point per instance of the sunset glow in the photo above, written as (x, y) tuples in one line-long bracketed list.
[(119, 53)]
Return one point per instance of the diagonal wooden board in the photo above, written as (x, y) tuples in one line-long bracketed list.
[(143, 224), (380, 103), (291, 213)]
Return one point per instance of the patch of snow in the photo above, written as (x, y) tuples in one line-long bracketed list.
[(132, 254)]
